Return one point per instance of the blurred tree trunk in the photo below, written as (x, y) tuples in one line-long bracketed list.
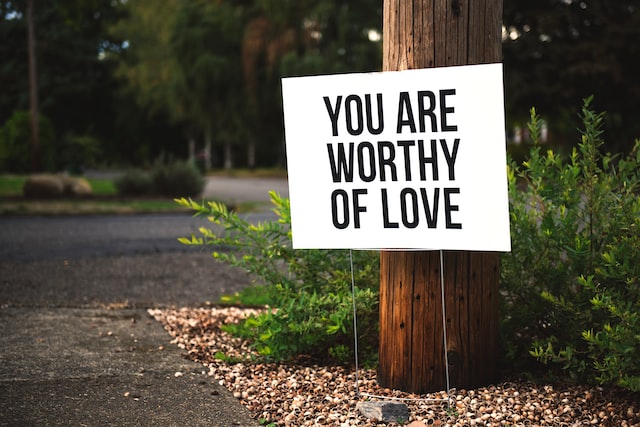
[(207, 148), (33, 89), (251, 155), (228, 158), (192, 150)]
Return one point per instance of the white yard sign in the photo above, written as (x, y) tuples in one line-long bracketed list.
[(398, 160)]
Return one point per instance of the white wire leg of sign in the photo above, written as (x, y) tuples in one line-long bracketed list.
[(444, 337)]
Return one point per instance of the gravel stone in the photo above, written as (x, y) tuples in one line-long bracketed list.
[(384, 411), (300, 395)]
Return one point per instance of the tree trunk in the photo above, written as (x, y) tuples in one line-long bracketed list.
[(33, 90), (207, 148), (424, 34), (228, 158), (251, 155), (192, 150)]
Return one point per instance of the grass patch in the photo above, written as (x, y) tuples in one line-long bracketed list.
[(86, 207), (11, 185), (103, 201), (103, 187), (101, 206)]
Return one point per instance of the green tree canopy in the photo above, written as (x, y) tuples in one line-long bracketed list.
[(558, 52), (206, 42), (182, 61), (75, 82), (215, 67)]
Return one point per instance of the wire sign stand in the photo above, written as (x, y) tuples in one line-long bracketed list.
[(444, 337)]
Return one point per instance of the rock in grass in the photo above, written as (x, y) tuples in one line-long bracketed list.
[(48, 186), (384, 411), (43, 186), (77, 187)]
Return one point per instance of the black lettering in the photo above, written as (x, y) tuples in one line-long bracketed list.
[(451, 157), (357, 208), (448, 208), (333, 113), (432, 214), (387, 160), (347, 106), (424, 160), (413, 205), (444, 110), (342, 165), (405, 144), (361, 161), (427, 111), (380, 128), (385, 211), (405, 104), (345, 209)]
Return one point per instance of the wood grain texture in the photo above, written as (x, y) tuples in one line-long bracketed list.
[(425, 34)]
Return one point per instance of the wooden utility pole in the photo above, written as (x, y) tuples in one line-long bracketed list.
[(425, 34)]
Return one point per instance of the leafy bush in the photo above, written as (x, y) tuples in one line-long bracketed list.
[(79, 151), (312, 309), (177, 179), (15, 143), (164, 180), (571, 283), (134, 183)]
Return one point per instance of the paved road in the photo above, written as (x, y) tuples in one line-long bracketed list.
[(89, 261), (94, 260), (25, 239), (76, 344)]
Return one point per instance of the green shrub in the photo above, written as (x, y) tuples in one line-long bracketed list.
[(168, 180), (79, 152), (571, 291), (312, 311), (15, 144), (177, 179), (134, 183)]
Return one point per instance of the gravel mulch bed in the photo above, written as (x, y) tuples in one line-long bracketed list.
[(299, 395)]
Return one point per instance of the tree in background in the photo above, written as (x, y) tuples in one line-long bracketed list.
[(14, 59), (149, 70), (122, 72), (558, 52), (215, 67), (206, 40), (16, 148), (75, 85), (284, 39), (182, 61), (33, 89)]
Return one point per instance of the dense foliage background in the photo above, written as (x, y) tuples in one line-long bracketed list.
[(133, 80)]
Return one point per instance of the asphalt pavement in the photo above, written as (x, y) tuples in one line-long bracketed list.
[(77, 346)]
